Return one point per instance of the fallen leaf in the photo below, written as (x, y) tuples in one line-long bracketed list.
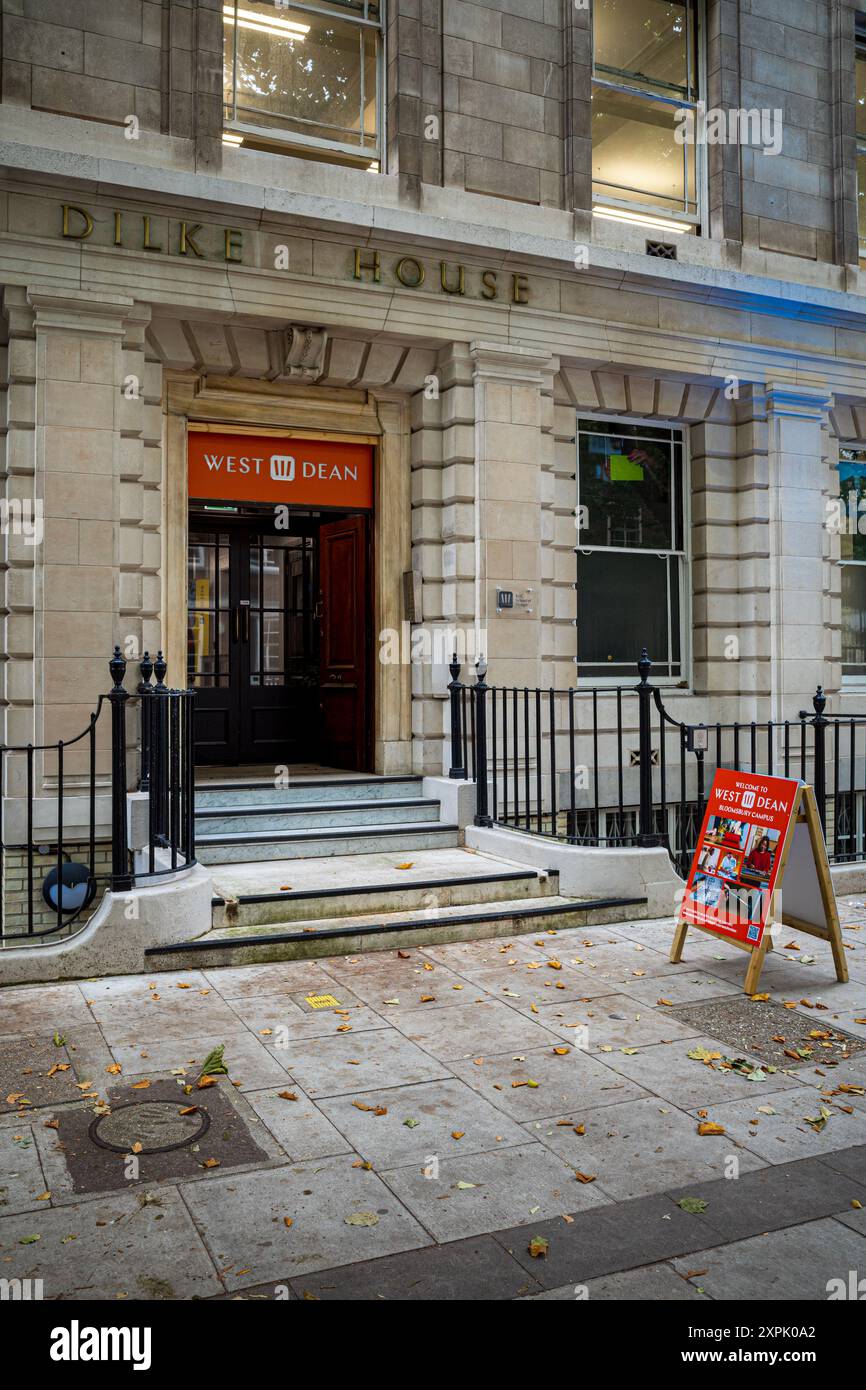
[(538, 1247), (287, 1221), (457, 1133), (584, 1177), (709, 1127), (287, 1095), (693, 1205), (365, 1218)]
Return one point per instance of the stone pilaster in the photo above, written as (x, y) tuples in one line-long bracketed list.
[(799, 483), (514, 506), (92, 584)]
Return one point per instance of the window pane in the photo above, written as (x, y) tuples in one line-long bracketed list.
[(635, 157), (625, 603), (861, 196), (854, 620), (852, 492), (301, 72), (860, 67), (625, 492), (646, 42)]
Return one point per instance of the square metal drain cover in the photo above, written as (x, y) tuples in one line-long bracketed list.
[(171, 1144), (781, 1037)]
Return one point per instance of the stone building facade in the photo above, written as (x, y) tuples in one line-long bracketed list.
[(468, 278)]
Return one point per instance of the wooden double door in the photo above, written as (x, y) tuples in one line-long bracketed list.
[(278, 635)]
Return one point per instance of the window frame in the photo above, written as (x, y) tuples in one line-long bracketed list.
[(624, 674), (282, 141), (851, 680), (859, 140), (643, 211)]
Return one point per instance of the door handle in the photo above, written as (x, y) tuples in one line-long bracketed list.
[(236, 625), (246, 612)]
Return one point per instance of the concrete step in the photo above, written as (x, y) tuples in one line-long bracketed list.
[(232, 793), (242, 848), (312, 815), (263, 909), (301, 939)]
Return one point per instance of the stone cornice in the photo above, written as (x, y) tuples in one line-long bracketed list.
[(386, 220)]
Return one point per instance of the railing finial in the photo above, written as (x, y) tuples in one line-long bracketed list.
[(644, 666), (819, 701), (117, 667)]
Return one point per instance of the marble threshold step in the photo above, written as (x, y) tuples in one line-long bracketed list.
[(346, 839), (263, 792), (371, 932), (227, 820)]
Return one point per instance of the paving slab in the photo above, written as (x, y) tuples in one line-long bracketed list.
[(414, 986), (668, 1071), (690, 987), (249, 1062), (41, 1009), (354, 1061), (299, 1126), (606, 1240), (465, 1032), (785, 1134), (851, 1162), (614, 1021), (127, 1245), (477, 1269), (855, 1219), (637, 1147), (464, 957), (524, 987), (276, 1020), (510, 1186), (651, 1284), (438, 1110), (136, 1022), (622, 961), (22, 1181), (282, 977), (31, 1075), (168, 984), (242, 1219), (798, 1263), (562, 1082), (771, 1198)]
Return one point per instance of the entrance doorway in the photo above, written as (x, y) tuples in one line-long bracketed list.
[(279, 623)]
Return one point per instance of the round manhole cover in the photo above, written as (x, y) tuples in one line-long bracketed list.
[(157, 1125)]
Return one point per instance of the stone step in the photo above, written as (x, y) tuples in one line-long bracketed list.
[(311, 815), (231, 793), (300, 940), (301, 844), (265, 908)]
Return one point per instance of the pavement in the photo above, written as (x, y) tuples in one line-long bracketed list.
[(560, 1115)]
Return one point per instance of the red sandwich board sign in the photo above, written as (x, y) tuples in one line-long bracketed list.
[(757, 832)]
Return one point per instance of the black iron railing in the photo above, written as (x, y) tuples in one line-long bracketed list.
[(611, 766), (82, 809)]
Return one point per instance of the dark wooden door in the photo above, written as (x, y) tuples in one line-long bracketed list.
[(252, 644), (343, 644)]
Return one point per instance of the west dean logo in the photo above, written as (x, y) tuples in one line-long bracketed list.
[(748, 800), (283, 468)]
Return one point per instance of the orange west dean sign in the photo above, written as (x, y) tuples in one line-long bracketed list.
[(280, 470), (737, 864)]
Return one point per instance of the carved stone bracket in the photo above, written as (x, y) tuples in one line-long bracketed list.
[(304, 352)]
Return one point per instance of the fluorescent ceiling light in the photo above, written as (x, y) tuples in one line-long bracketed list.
[(637, 219), (230, 138), (266, 24)]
